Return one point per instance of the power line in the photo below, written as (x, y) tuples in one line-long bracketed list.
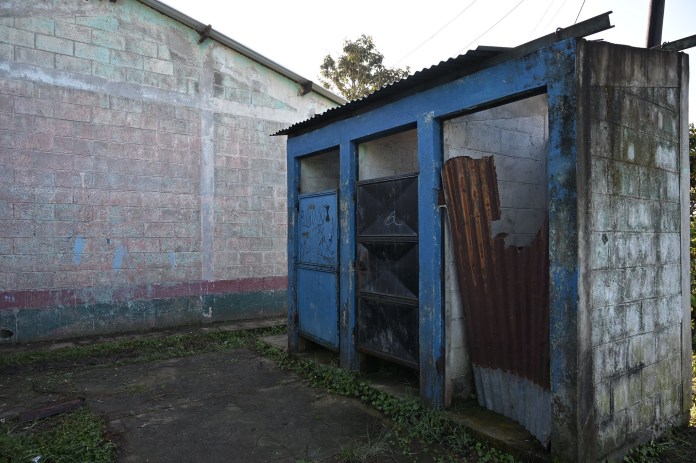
[(438, 31), (555, 14), (576, 18), (548, 8), (489, 29)]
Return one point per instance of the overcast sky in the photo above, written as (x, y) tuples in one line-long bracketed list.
[(299, 34)]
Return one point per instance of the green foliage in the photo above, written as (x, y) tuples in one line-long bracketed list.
[(359, 71), (645, 453), (74, 437)]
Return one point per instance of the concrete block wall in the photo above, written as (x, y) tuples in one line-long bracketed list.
[(635, 261), (517, 135), (388, 156), (320, 172), (139, 184)]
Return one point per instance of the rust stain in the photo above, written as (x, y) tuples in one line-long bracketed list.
[(504, 290)]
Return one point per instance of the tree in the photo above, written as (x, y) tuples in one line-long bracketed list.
[(359, 70)]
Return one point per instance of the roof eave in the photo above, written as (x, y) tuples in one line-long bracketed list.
[(242, 49)]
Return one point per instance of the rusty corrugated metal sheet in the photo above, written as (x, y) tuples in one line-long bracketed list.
[(505, 295)]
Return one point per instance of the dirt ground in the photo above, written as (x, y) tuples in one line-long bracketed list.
[(230, 406), (221, 406)]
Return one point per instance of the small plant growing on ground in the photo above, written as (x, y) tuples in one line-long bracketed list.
[(373, 450), (74, 437)]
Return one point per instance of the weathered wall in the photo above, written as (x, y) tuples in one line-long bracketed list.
[(139, 185), (517, 135), (388, 156), (320, 172), (631, 242)]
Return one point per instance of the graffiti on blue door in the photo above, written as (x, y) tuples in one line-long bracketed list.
[(318, 230), (317, 278)]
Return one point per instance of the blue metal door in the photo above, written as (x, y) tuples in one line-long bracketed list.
[(317, 269)]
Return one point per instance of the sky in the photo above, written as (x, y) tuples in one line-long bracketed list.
[(419, 34)]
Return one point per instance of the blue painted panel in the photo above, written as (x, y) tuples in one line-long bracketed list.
[(317, 303), (318, 229), (317, 258), (431, 310), (348, 300), (293, 315)]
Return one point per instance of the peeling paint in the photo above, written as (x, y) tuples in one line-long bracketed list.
[(78, 249), (119, 253)]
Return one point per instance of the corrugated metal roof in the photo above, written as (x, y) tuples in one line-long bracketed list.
[(306, 84), (443, 72), (446, 71)]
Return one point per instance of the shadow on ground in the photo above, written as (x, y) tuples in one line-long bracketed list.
[(228, 403), (233, 405)]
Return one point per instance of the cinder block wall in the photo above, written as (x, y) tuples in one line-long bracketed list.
[(320, 172), (388, 156), (517, 135), (633, 256), (139, 186)]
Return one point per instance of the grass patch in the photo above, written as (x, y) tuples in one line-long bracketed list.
[(375, 449), (78, 436), (139, 350)]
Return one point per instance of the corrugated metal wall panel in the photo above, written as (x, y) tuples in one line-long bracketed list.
[(505, 295)]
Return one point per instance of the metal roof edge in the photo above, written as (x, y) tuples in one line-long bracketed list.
[(242, 49)]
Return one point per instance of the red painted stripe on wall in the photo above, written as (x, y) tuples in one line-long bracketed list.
[(71, 297)]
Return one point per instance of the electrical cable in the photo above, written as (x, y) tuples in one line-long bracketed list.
[(548, 8), (555, 14), (576, 18), (489, 29), (438, 31)]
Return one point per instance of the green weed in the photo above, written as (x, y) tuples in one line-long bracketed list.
[(139, 350), (73, 437), (372, 450)]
